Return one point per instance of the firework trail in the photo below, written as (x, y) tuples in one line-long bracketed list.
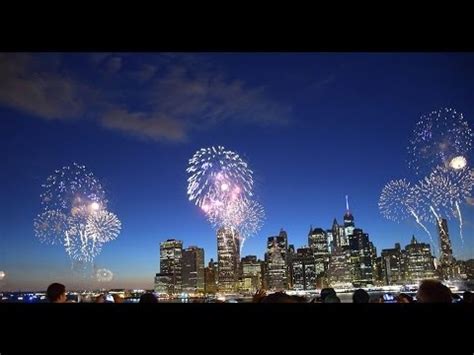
[(252, 221), (441, 193), (458, 210), (81, 246), (441, 137), (398, 202)]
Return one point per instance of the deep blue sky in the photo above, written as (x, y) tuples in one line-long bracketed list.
[(313, 127)]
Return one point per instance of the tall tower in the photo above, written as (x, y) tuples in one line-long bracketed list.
[(446, 260), (193, 269), (348, 221), (318, 243), (228, 257), (276, 259), (169, 280), (336, 237)]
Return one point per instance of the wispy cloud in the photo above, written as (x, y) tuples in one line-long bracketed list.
[(48, 95), (208, 98), (152, 126), (175, 97)]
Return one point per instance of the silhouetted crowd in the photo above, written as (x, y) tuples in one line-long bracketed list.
[(430, 291)]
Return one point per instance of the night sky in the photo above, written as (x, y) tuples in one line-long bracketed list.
[(312, 126)]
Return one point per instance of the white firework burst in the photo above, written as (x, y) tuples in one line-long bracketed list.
[(439, 138), (72, 187), (50, 227), (104, 275), (75, 213), (396, 201), (80, 245), (103, 226), (441, 193), (217, 174)]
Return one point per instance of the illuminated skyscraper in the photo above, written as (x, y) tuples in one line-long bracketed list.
[(210, 277), (251, 273), (228, 257), (446, 260), (169, 280), (276, 262), (348, 223), (304, 269), (318, 243), (392, 266), (361, 258), (193, 269), (418, 262), (339, 271)]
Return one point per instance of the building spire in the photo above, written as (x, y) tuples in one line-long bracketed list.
[(347, 203)]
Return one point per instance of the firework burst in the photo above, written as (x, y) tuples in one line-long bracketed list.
[(80, 245), (398, 202), (104, 275), (103, 226), (443, 138), (441, 194), (50, 227), (221, 184), (217, 175), (75, 214), (72, 188)]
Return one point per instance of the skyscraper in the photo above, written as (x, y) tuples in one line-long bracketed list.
[(228, 257), (318, 243), (361, 258), (210, 277), (193, 269), (348, 222), (304, 269), (446, 260), (251, 273), (169, 279), (276, 260), (418, 262), (339, 271), (392, 266)]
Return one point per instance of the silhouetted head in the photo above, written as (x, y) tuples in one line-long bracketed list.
[(332, 299), (360, 296), (56, 293), (433, 291), (326, 292), (467, 297), (148, 298), (279, 297), (404, 298)]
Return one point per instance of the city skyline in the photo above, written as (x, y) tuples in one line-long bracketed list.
[(312, 135)]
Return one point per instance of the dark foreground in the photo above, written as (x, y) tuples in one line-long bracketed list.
[(245, 328)]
